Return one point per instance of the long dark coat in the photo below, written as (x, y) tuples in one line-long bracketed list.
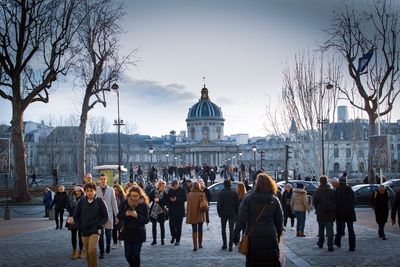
[(176, 208), (345, 201), (324, 201), (287, 210), (134, 228), (228, 203), (264, 247), (381, 206)]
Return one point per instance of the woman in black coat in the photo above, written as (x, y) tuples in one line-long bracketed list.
[(381, 206), (59, 203), (265, 233), (134, 215), (158, 213), (287, 210)]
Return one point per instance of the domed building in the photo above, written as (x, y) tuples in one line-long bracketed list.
[(205, 141)]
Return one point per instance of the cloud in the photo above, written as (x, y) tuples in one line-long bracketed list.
[(224, 101)]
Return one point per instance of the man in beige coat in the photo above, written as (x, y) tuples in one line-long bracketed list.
[(299, 204)]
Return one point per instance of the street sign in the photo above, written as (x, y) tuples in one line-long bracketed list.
[(380, 151), (4, 155)]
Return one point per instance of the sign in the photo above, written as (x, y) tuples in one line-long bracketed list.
[(4, 155), (380, 151)]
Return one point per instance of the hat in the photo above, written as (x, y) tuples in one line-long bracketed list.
[(343, 180)]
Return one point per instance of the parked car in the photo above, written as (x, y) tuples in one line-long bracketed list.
[(216, 188), (394, 184), (309, 186), (364, 193)]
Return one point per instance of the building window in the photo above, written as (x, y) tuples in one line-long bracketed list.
[(348, 151), (336, 167), (218, 133), (360, 152), (348, 166), (335, 151), (193, 133), (361, 167)]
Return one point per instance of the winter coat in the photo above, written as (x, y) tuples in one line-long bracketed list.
[(381, 206), (228, 203), (324, 201), (299, 201), (47, 199), (90, 217), (134, 228), (263, 239), (162, 201), (396, 207), (176, 208), (285, 201), (193, 213), (111, 203), (60, 201), (345, 201)]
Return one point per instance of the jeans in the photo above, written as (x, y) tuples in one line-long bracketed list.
[(197, 228), (90, 245), (132, 253), (74, 234), (223, 229), (340, 229), (175, 227), (329, 232), (59, 213), (108, 240), (301, 220)]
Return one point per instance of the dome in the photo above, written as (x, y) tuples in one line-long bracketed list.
[(205, 109)]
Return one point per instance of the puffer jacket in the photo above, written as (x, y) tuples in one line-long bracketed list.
[(299, 200)]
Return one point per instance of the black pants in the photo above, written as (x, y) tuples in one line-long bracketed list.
[(75, 233), (381, 229), (59, 213), (108, 240), (175, 227), (231, 221), (154, 229), (285, 218)]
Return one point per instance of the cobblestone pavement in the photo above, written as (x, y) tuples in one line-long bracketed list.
[(34, 242)]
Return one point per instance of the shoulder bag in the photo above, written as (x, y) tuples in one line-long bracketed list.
[(203, 204), (244, 242)]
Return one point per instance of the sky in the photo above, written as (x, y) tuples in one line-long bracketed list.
[(239, 47)]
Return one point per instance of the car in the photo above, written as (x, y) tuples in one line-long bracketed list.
[(364, 193), (394, 184), (309, 186), (216, 188)]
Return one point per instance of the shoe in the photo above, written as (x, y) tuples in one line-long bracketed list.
[(172, 241), (337, 244), (320, 245), (108, 249), (224, 247), (351, 249), (194, 249), (298, 233), (292, 228), (56, 228), (330, 249), (101, 256), (384, 238), (79, 254), (162, 242), (74, 254), (200, 246), (153, 243), (230, 249), (177, 243)]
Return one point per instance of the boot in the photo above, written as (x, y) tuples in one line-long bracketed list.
[(302, 234), (298, 233), (79, 254), (73, 255), (200, 236), (194, 238)]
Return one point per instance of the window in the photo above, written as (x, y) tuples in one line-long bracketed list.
[(361, 167), (348, 166), (192, 133), (348, 151), (336, 167), (335, 151)]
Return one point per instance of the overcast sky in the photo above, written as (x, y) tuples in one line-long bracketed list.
[(240, 47)]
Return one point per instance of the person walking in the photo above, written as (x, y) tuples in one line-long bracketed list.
[(380, 201), (261, 212), (90, 215), (120, 196), (176, 210), (396, 208), (299, 205), (59, 203), (47, 200), (208, 197), (33, 177), (107, 194), (195, 216), (345, 213), (324, 202), (158, 213), (227, 209), (286, 206), (76, 235), (134, 215)]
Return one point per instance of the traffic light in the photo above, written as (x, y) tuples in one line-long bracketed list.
[(288, 152), (262, 159)]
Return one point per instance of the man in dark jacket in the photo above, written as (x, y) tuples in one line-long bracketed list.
[(325, 207), (345, 213), (227, 208), (176, 210)]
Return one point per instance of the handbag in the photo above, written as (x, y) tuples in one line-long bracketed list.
[(203, 204), (245, 241), (69, 223)]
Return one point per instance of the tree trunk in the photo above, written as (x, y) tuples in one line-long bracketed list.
[(372, 131), (82, 146), (20, 185)]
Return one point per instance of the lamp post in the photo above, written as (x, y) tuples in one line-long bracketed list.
[(233, 159), (118, 122), (322, 122), (254, 152), (151, 151), (175, 159), (167, 156)]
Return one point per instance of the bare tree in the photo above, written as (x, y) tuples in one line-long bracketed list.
[(97, 127), (34, 40), (99, 63)]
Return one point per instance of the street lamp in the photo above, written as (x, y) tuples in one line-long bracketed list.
[(151, 151), (322, 122), (167, 156), (233, 159), (118, 122), (254, 152)]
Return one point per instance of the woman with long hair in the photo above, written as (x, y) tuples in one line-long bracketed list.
[(241, 190), (134, 215), (158, 213), (261, 211), (194, 215), (120, 196), (77, 193)]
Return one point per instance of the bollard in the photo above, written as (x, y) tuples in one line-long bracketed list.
[(7, 213)]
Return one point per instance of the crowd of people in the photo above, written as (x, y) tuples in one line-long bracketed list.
[(102, 217)]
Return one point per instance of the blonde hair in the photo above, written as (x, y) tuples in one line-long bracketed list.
[(61, 188), (241, 189), (119, 188)]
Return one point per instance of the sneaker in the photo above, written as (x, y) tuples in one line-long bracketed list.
[(292, 228)]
